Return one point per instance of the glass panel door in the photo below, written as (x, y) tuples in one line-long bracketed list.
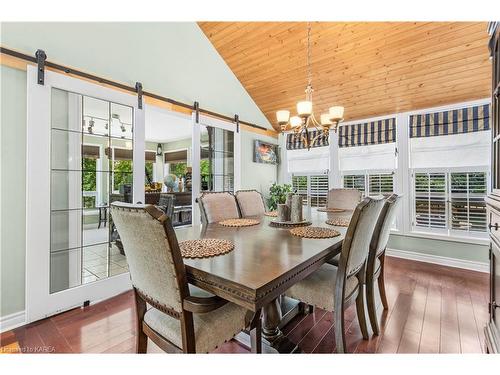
[(85, 145), (91, 166), (216, 164)]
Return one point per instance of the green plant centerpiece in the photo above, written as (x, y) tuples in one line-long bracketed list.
[(277, 195)]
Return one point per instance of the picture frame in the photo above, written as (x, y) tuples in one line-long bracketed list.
[(265, 153)]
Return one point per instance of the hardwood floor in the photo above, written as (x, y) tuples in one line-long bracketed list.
[(432, 309)]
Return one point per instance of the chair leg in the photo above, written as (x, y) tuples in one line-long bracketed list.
[(141, 338), (370, 299), (256, 333), (339, 329), (360, 309), (381, 283)]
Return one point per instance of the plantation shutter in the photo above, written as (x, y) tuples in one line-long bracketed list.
[(318, 190), (468, 208), (381, 184), (354, 181), (430, 200)]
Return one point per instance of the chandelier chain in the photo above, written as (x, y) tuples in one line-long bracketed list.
[(309, 70)]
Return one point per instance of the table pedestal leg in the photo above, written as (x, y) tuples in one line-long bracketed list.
[(271, 318)]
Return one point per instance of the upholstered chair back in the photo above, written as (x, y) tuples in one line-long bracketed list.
[(250, 203), (359, 234), (153, 255), (218, 206), (384, 224), (346, 199)]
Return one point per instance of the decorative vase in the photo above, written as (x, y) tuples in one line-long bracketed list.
[(296, 209), (283, 212)]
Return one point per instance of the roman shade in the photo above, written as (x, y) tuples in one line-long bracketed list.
[(308, 161), (176, 156), (90, 152), (368, 133), (295, 142), (150, 156), (457, 138), (127, 154), (456, 121)]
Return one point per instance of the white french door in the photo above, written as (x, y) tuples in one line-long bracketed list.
[(85, 149), (216, 152)]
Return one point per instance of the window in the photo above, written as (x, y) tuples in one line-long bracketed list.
[(354, 181), (380, 184), (430, 200), (373, 183), (468, 208), (314, 187), (450, 201)]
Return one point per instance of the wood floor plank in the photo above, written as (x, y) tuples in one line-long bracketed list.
[(431, 309), (431, 329), (450, 333)]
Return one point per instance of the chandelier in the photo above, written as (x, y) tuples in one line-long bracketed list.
[(305, 119)]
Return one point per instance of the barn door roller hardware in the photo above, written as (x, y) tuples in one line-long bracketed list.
[(237, 122), (40, 61), (138, 88)]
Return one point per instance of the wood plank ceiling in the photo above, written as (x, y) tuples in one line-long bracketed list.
[(371, 68)]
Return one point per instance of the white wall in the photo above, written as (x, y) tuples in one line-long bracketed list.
[(256, 175)]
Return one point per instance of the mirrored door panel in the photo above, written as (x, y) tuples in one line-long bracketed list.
[(91, 166)]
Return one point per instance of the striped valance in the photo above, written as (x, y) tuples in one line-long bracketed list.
[(457, 121), (296, 142), (368, 133)]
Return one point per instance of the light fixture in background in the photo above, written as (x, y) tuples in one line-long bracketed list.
[(305, 119), (159, 150)]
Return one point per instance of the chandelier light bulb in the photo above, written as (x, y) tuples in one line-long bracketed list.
[(304, 108), (282, 116), (336, 113)]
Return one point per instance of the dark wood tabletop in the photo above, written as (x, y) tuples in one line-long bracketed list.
[(265, 262)]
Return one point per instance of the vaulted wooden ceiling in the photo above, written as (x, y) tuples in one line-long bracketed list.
[(371, 68)]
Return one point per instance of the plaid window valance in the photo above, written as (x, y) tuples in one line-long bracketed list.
[(457, 121), (368, 133), (295, 141)]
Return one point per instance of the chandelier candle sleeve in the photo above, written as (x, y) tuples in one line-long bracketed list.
[(282, 116), (304, 108)]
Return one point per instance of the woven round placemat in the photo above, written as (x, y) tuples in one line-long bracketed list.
[(331, 209), (288, 224), (205, 248), (314, 232), (339, 222), (271, 213), (239, 222)]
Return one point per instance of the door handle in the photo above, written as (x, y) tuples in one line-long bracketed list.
[(493, 226)]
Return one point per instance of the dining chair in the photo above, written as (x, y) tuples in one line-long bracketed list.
[(182, 318), (344, 198), (217, 206), (166, 204), (376, 258), (250, 203), (336, 288)]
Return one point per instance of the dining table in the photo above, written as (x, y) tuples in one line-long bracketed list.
[(265, 262)]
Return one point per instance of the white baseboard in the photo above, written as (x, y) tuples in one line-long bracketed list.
[(436, 259), (12, 321)]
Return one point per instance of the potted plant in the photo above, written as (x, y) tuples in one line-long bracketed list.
[(277, 195)]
